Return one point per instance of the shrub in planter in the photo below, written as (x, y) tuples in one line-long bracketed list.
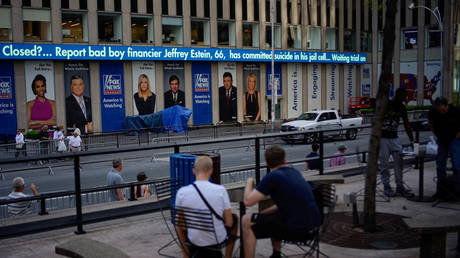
[(32, 135)]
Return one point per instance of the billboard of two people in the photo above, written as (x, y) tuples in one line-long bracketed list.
[(251, 98), (144, 86), (78, 100), (41, 104), (173, 74)]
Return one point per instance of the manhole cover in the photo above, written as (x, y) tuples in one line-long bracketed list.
[(392, 233)]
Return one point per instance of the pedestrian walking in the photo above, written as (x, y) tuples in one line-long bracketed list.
[(20, 144)]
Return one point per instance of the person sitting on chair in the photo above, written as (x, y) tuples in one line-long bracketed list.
[(295, 215), (217, 201)]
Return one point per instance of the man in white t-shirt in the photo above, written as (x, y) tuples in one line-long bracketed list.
[(217, 197), (20, 208)]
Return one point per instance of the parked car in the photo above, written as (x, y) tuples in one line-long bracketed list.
[(321, 120)]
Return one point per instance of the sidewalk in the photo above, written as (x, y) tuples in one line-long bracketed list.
[(142, 236)]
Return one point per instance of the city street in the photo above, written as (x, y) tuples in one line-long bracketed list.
[(233, 154)]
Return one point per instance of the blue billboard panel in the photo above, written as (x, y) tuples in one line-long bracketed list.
[(7, 100), (202, 102), (112, 96), (277, 80)]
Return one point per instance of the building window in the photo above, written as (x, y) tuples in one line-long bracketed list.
[(100, 5), (226, 33), (134, 6), (5, 24), (74, 27), (366, 41), (349, 40), (250, 34), (433, 37), (117, 5), (46, 3), (409, 39), (6, 2), (141, 30), (200, 32), (109, 27), (380, 41), (331, 38), (313, 37), (37, 24), (268, 35), (172, 30), (83, 4), (294, 36), (65, 4), (150, 6), (26, 3)]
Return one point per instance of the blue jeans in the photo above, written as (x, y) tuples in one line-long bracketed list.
[(455, 152), (441, 160)]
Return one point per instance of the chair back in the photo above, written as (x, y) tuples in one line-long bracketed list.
[(198, 219), (327, 205)]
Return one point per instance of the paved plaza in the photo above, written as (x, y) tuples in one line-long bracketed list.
[(142, 236)]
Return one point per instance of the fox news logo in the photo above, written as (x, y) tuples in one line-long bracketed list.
[(201, 82), (5, 87), (112, 84)]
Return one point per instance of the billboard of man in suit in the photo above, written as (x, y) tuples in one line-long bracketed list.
[(174, 96), (78, 106), (227, 99)]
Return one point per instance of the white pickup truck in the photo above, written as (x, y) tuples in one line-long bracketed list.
[(321, 120)]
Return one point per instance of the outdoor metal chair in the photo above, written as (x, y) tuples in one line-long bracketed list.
[(166, 192), (202, 220), (187, 218), (325, 198)]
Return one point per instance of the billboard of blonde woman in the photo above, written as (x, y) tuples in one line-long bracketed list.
[(144, 88), (251, 96), (41, 106)]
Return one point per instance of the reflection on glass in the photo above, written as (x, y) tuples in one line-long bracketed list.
[(141, 30), (308, 116), (433, 37), (200, 32), (366, 41), (268, 35), (331, 38), (294, 36), (109, 28), (172, 31), (226, 33), (250, 34), (313, 37), (409, 40), (37, 30), (74, 27), (349, 40), (5, 24)]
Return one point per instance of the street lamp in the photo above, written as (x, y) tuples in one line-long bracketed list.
[(437, 14), (272, 75)]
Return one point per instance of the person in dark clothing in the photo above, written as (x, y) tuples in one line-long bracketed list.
[(78, 107), (312, 164), (391, 145), (295, 214), (251, 100), (144, 97), (174, 96), (227, 99), (444, 120)]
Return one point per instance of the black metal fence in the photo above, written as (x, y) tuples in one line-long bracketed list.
[(79, 219)]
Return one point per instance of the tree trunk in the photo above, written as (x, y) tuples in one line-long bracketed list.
[(380, 107)]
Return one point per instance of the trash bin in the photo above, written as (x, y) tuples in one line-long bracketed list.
[(181, 168), (215, 157)]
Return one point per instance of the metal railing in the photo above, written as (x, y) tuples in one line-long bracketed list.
[(239, 174)]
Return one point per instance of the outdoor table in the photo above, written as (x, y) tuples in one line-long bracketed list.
[(421, 165), (236, 194)]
